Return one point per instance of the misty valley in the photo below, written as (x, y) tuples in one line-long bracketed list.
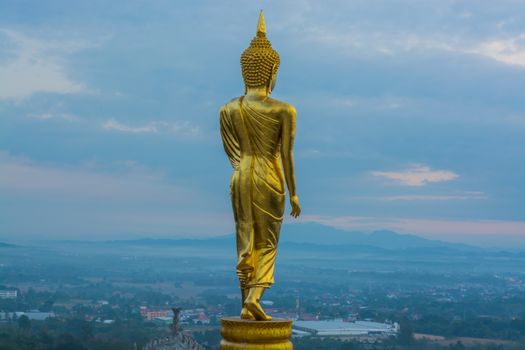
[(118, 294)]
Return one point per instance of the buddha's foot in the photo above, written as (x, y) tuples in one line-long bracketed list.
[(246, 314), (257, 311)]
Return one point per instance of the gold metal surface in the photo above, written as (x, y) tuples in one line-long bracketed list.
[(258, 135), (255, 335)]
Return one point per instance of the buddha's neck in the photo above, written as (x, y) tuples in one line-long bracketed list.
[(256, 92)]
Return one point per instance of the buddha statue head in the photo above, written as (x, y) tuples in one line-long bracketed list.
[(260, 62)]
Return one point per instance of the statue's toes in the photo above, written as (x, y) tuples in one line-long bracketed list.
[(257, 311), (246, 314)]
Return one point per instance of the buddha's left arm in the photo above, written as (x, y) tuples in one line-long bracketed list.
[(288, 135), (287, 140)]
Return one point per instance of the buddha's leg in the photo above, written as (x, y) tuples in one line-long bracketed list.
[(245, 313), (245, 262), (243, 214), (245, 256), (252, 304), (266, 237)]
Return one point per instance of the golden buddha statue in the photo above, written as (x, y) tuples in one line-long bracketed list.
[(258, 134)]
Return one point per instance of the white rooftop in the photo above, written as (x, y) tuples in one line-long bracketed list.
[(343, 328), (35, 315)]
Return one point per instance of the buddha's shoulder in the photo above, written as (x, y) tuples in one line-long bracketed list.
[(271, 103), (232, 104), (286, 107)]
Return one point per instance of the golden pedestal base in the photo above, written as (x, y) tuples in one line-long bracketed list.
[(240, 334)]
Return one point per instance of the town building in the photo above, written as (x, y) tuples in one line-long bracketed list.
[(35, 315), (8, 294), (343, 329), (152, 314), (194, 316)]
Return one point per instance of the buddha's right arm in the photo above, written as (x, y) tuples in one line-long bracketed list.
[(229, 139), (288, 135)]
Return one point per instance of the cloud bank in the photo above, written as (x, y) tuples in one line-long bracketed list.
[(417, 176), (37, 66)]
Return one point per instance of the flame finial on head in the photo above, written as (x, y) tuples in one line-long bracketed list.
[(261, 26), (259, 61)]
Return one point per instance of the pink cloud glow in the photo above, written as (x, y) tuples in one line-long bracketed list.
[(417, 176)]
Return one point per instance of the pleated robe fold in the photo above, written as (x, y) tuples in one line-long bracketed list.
[(251, 139)]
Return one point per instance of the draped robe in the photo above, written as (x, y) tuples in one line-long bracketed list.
[(251, 135)]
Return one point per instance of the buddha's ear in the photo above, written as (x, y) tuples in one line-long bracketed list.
[(273, 79)]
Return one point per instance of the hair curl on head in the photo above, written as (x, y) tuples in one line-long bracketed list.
[(259, 59)]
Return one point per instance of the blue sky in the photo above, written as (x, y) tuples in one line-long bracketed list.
[(411, 115)]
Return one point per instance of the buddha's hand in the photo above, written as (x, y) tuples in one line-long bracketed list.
[(296, 208)]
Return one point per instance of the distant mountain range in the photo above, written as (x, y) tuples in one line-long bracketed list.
[(313, 234), (314, 237)]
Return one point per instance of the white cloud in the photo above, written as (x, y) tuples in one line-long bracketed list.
[(54, 116), (37, 66), (382, 43), (311, 153), (427, 197), (417, 176), (315, 153), (509, 51), (178, 127), (377, 103), (112, 124), (18, 175)]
